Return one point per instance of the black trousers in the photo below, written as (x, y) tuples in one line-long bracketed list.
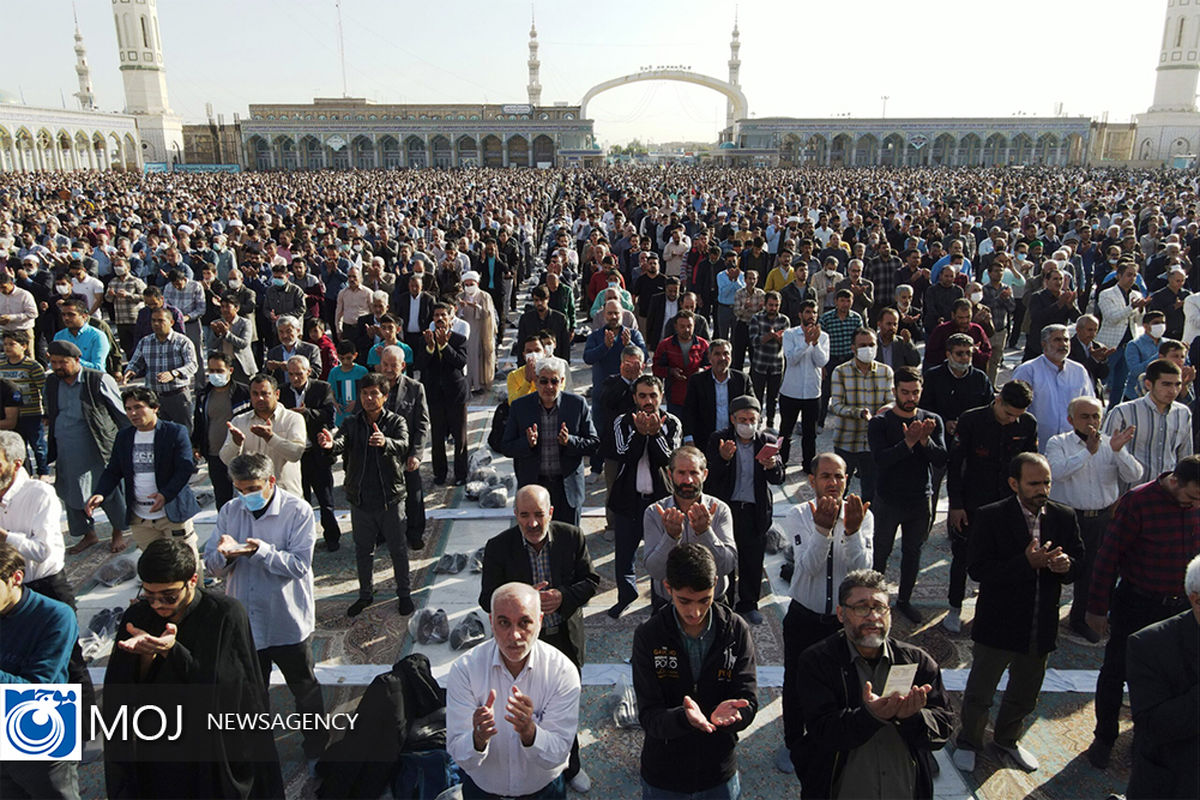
[(957, 591), (414, 504), (1128, 613), (448, 418), (913, 520), (295, 661), (827, 384), (1091, 530), (791, 409), (746, 584), (767, 389), (218, 473), (563, 510), (57, 587), (741, 341), (316, 476), (802, 629)]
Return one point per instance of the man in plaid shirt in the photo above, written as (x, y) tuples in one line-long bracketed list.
[(167, 360), (1155, 532), (858, 389), (747, 302), (881, 270), (188, 296), (840, 322), (766, 353), (125, 293)]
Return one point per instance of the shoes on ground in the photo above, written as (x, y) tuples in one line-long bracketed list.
[(618, 608), (357, 607), (469, 632), (1084, 631), (625, 715), (475, 562), (405, 605), (964, 759), (953, 620)]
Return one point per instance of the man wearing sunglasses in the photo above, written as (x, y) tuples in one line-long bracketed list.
[(547, 436), (180, 645)]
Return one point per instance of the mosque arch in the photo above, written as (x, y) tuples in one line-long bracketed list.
[(866, 150), (466, 151), (741, 106), (943, 150)]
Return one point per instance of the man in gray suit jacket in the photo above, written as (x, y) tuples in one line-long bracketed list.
[(895, 350), (232, 334), (407, 399)]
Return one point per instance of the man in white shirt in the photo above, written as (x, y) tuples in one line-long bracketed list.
[(806, 352), (269, 428), (263, 547), (522, 749), (1088, 468), (829, 538), (353, 300)]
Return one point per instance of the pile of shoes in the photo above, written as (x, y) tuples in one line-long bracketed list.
[(788, 566), (469, 632), (432, 627), (451, 563), (476, 560), (483, 483), (776, 541), (494, 497), (101, 632), (118, 570)]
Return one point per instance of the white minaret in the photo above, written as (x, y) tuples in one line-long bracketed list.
[(1178, 60), (735, 65), (146, 80), (534, 88), (1171, 126), (85, 95)]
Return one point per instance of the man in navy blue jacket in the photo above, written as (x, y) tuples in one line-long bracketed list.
[(153, 459), (547, 436)]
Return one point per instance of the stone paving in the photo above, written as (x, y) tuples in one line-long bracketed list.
[(1059, 733)]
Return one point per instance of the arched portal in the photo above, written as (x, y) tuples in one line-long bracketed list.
[(741, 107)]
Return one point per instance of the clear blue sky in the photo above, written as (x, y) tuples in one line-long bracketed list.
[(931, 57)]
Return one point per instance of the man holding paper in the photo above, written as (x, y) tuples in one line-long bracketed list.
[(743, 461), (1022, 550), (874, 707)]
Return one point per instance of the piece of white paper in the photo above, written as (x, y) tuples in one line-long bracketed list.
[(900, 679)]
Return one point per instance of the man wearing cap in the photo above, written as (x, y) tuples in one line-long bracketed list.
[(85, 412), (740, 470)]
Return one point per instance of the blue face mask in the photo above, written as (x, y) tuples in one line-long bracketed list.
[(255, 501), (278, 281)]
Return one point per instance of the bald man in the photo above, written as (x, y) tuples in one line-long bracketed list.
[(512, 704), (553, 558)]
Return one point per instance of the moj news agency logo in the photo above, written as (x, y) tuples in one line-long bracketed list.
[(41, 723)]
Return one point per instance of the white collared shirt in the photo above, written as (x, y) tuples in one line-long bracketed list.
[(1088, 482), (31, 513), (506, 767), (810, 586)]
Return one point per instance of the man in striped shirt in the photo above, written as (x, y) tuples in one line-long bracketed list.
[(858, 388), (1162, 426), (1155, 532)]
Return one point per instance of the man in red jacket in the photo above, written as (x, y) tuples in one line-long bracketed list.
[(679, 357)]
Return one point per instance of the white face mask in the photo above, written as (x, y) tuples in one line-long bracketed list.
[(1157, 330), (957, 368), (218, 379), (58, 287), (831, 273), (745, 430), (976, 297), (865, 354), (471, 290)]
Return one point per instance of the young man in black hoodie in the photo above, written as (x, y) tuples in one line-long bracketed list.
[(695, 680)]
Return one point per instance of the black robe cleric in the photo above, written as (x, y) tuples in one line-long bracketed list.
[(211, 671)]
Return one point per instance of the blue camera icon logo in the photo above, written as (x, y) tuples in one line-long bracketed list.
[(41, 723)]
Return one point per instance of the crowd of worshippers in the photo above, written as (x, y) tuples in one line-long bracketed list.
[(280, 330)]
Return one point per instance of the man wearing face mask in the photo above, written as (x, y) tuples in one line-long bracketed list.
[(743, 462), (217, 403), (124, 292), (1142, 350), (906, 443), (263, 547)]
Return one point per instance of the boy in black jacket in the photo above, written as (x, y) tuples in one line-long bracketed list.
[(695, 680), (857, 743)]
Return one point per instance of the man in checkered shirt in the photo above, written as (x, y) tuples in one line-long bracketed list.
[(167, 361), (858, 389), (766, 354)]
